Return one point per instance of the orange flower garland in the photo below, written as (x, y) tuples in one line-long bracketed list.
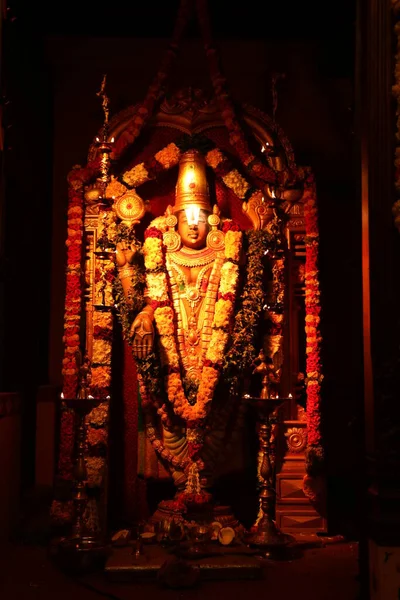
[(145, 110), (169, 157), (158, 291), (314, 455), (77, 179), (236, 135)]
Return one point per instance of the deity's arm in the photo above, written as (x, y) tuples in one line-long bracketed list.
[(125, 254), (142, 331), (125, 275)]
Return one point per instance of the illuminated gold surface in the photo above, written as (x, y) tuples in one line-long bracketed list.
[(192, 186), (129, 207)]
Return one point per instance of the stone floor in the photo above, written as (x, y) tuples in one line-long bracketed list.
[(27, 572)]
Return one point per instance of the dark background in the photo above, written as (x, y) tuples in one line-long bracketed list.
[(53, 58)]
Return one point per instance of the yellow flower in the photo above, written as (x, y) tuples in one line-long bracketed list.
[(168, 352), (214, 157), (115, 189), (217, 344), (168, 156), (276, 318), (157, 286), (164, 317), (95, 466), (233, 244), (136, 176), (99, 415), (101, 351), (236, 183), (312, 320), (223, 312), (153, 256), (174, 386), (159, 223), (101, 377), (229, 278), (102, 319)]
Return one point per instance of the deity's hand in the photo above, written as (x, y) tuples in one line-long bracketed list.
[(125, 254), (142, 332)]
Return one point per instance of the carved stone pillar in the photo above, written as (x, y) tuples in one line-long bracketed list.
[(381, 299)]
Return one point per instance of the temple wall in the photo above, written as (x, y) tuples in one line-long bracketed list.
[(10, 468)]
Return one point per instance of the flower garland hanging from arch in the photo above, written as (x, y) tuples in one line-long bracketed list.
[(314, 452)]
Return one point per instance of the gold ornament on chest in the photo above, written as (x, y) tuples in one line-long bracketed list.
[(191, 295)]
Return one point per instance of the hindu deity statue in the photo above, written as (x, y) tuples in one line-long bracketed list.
[(192, 260)]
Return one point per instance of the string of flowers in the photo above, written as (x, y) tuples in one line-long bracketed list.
[(163, 313), (396, 93), (73, 295), (169, 157), (145, 110), (314, 453), (61, 511), (242, 352), (237, 137), (163, 160), (77, 178)]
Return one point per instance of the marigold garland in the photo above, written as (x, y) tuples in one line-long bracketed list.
[(170, 156), (145, 110), (314, 453), (77, 179), (237, 137), (158, 292)]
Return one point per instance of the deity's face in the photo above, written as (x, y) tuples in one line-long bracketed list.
[(193, 236)]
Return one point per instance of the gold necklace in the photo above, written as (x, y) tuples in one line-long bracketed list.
[(196, 258), (192, 291), (209, 300)]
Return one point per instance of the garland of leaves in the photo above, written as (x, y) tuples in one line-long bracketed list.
[(242, 353)]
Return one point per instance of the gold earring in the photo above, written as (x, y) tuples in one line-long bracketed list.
[(215, 238), (171, 238)]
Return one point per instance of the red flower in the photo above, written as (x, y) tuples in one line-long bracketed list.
[(102, 333), (229, 225), (152, 232), (228, 296), (313, 308)]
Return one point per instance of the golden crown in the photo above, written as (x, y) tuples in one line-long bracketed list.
[(192, 187)]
